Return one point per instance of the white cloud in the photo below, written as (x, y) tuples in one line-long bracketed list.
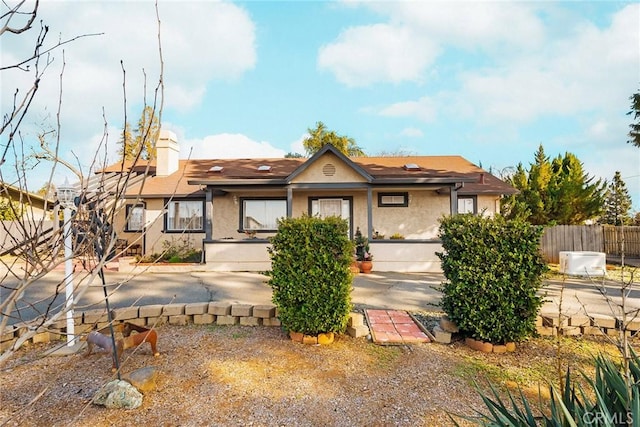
[(219, 43), (377, 53), (202, 41), (416, 33), (422, 109), (297, 146), (227, 146), (589, 69), (469, 25)]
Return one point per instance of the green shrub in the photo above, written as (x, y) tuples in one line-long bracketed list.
[(174, 250), (310, 276), (494, 270)]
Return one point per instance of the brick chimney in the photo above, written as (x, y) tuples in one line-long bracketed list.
[(167, 152)]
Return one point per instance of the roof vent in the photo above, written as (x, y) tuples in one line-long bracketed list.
[(216, 169), (329, 169), (411, 167), (264, 168)]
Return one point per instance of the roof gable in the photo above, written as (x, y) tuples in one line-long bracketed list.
[(315, 167)]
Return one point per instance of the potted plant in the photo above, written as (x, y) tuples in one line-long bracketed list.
[(363, 254)]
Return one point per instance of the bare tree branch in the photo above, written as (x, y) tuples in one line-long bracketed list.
[(9, 15)]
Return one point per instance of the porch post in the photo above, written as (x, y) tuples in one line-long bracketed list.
[(289, 202), (453, 198), (369, 213), (208, 211)]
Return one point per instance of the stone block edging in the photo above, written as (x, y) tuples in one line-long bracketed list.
[(207, 313)]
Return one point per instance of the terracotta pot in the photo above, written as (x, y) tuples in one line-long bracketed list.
[(366, 266)]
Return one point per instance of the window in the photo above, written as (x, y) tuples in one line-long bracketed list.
[(467, 205), (135, 217), (185, 215), (393, 199), (262, 214)]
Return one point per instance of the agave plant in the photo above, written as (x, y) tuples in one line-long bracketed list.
[(604, 401)]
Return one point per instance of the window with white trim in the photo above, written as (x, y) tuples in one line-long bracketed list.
[(185, 215), (135, 217), (467, 205), (262, 214), (393, 199)]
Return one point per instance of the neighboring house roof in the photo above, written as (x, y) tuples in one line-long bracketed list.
[(233, 173), (22, 196)]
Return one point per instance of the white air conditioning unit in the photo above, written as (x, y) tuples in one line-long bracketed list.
[(583, 263)]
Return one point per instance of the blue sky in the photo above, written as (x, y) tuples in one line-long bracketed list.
[(487, 80)]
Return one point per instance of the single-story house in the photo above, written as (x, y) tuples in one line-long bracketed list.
[(229, 207)]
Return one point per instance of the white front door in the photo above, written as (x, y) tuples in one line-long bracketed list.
[(332, 207)]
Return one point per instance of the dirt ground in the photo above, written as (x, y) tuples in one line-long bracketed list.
[(242, 376)]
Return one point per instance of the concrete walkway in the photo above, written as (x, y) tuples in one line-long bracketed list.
[(378, 290)]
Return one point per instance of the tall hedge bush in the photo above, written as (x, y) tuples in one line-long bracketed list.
[(310, 276), (494, 271)]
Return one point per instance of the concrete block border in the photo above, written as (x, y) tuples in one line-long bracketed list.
[(203, 313), (221, 313)]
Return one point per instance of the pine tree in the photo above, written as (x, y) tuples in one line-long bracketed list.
[(147, 133), (143, 144), (127, 147), (515, 206), (537, 194), (575, 196), (557, 192), (617, 203), (634, 133)]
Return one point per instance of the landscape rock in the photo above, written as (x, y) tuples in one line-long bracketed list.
[(118, 394), (143, 379)]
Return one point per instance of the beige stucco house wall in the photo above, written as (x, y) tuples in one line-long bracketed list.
[(427, 187)]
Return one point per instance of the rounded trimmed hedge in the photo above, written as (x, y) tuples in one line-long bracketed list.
[(494, 271), (310, 275)]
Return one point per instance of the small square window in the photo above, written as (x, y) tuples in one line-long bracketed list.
[(467, 205), (393, 199)]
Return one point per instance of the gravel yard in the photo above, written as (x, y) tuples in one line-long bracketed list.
[(240, 376)]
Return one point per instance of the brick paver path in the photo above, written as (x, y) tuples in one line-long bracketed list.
[(394, 327)]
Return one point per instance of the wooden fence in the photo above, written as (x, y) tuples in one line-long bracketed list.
[(613, 240), (596, 238)]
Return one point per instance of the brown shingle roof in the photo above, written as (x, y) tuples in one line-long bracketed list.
[(381, 169)]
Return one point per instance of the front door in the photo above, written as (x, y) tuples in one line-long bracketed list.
[(332, 206)]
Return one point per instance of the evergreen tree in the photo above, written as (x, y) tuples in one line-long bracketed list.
[(575, 197), (127, 148), (143, 144), (515, 206), (537, 194), (147, 133), (634, 133), (617, 203), (557, 192), (320, 136)]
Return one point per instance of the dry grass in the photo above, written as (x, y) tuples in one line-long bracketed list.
[(238, 376)]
